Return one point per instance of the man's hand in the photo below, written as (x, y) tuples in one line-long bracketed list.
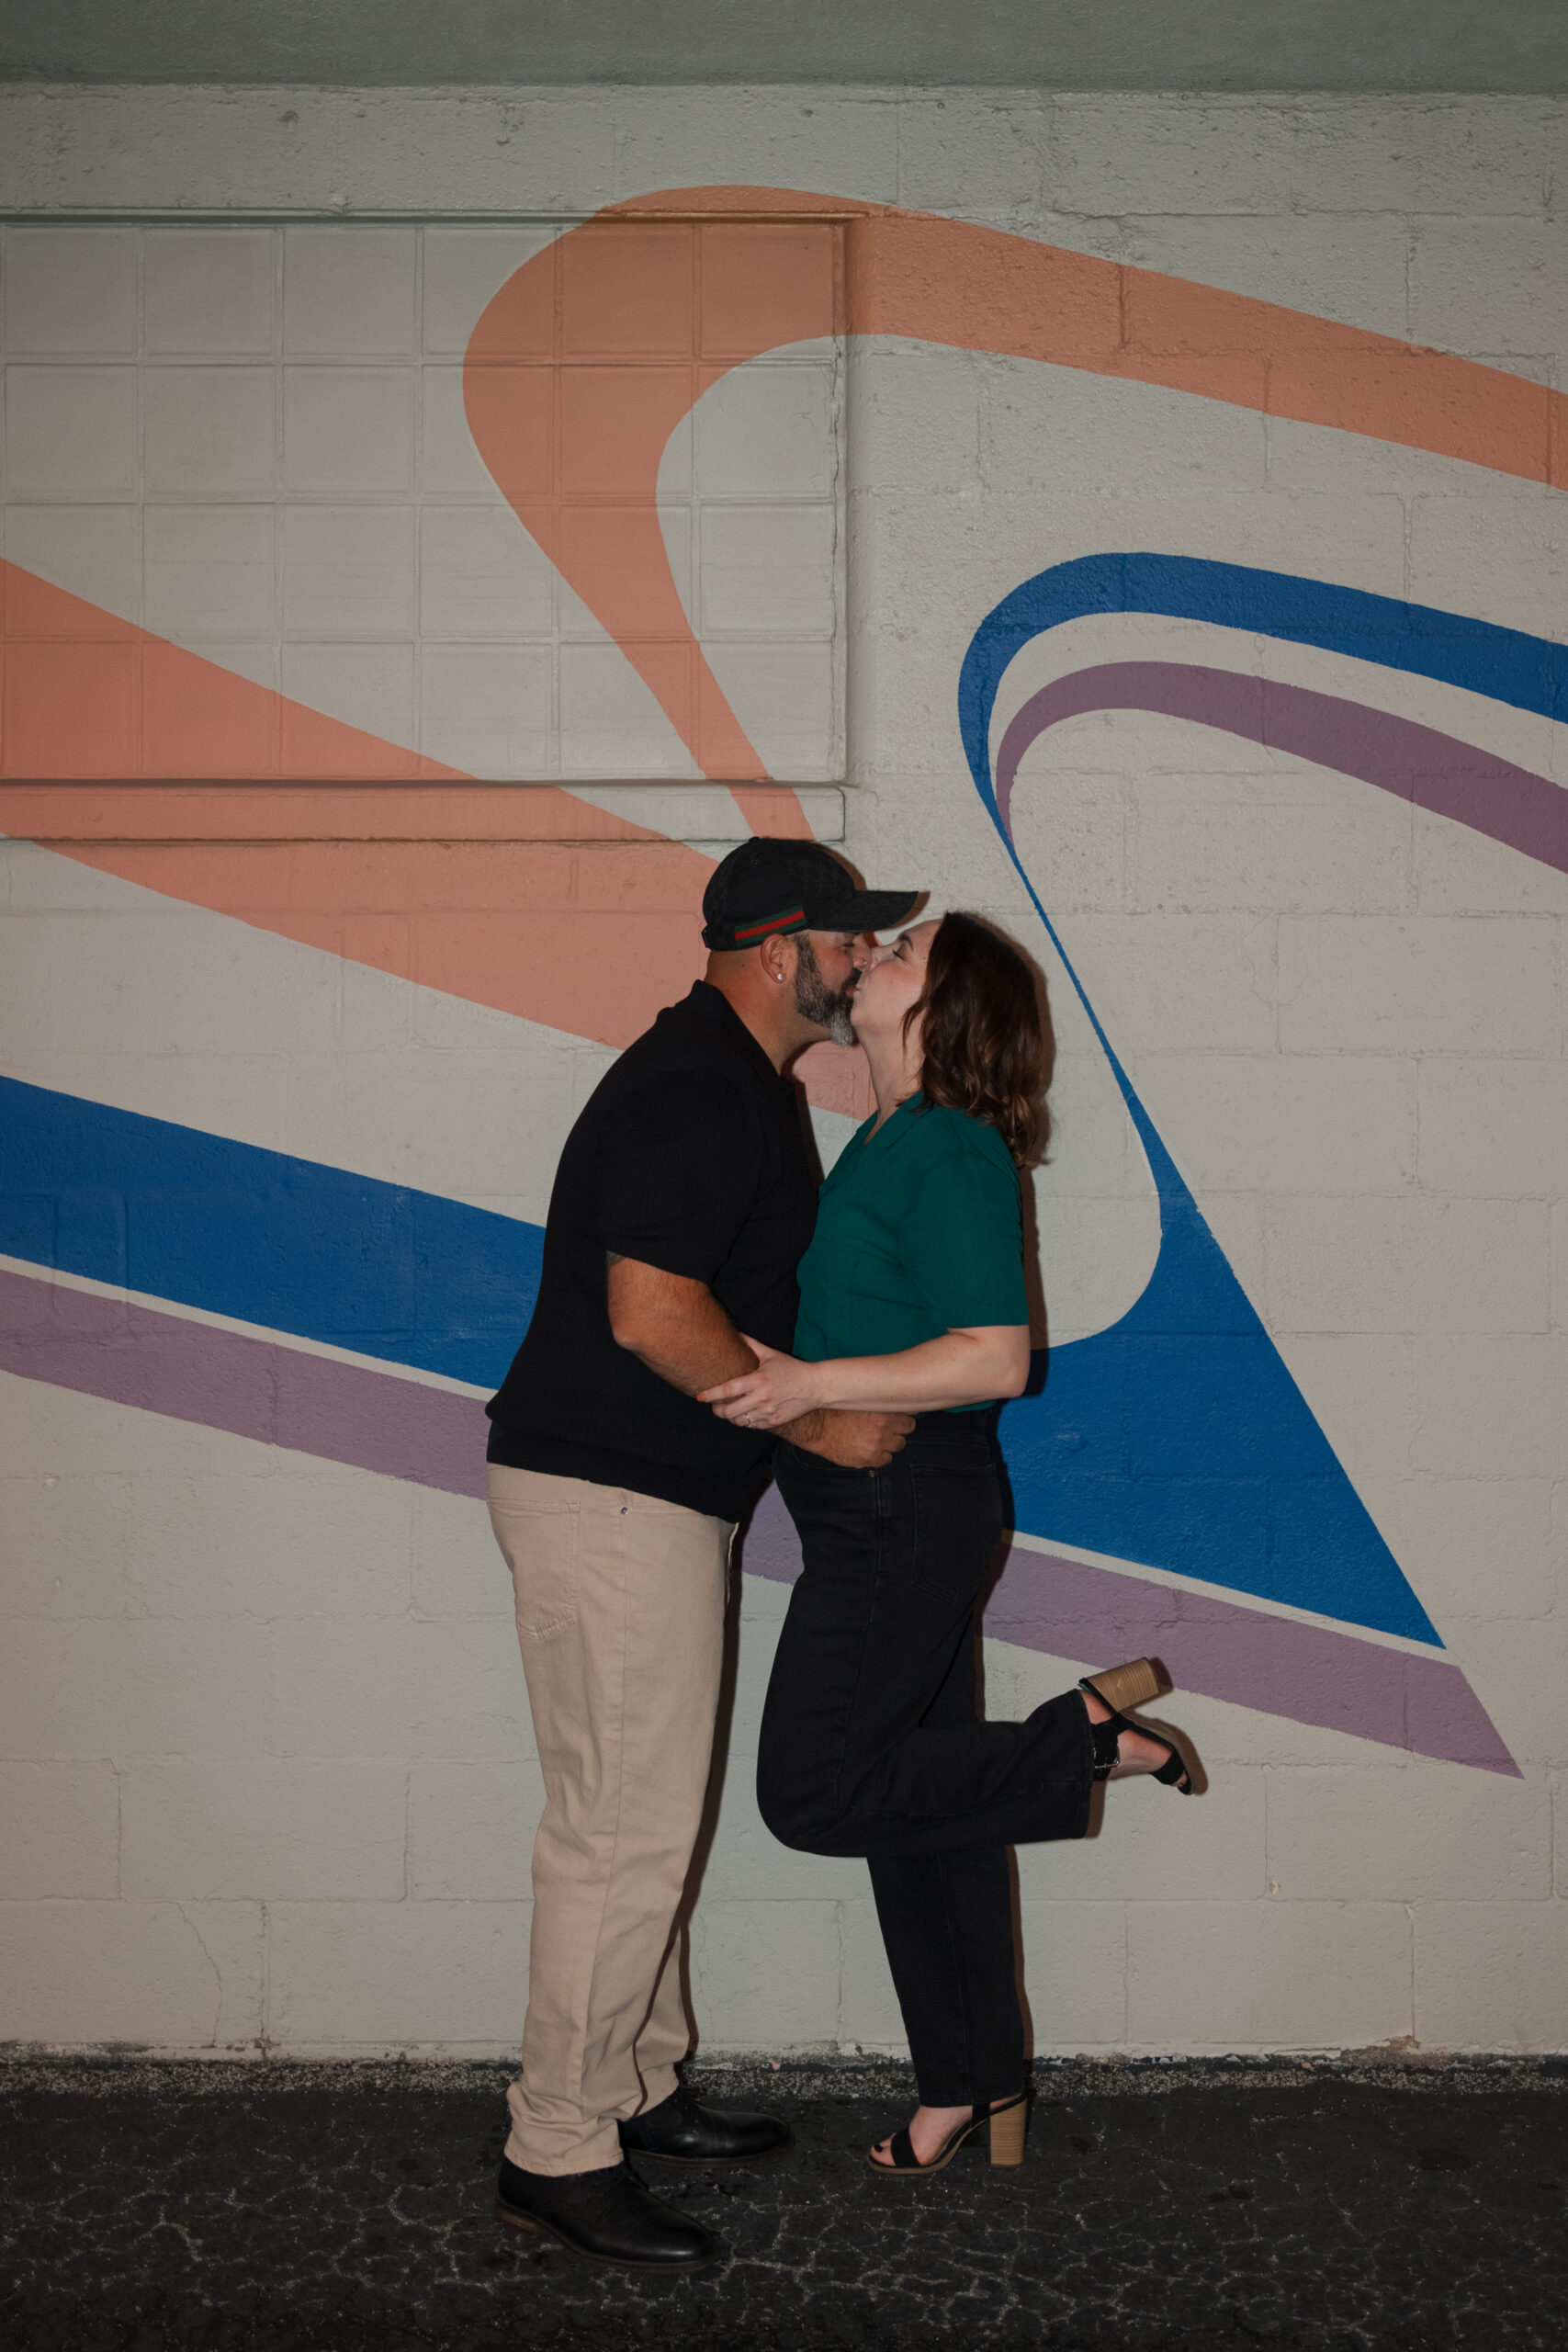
[(854, 1441)]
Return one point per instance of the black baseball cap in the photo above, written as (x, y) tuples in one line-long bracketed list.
[(767, 885)]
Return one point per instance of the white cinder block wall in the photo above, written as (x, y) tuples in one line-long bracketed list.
[(268, 1781)]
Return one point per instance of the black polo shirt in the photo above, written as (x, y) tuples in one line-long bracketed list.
[(689, 1156)]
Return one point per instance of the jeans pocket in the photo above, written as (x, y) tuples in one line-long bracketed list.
[(955, 1526), (542, 1550)]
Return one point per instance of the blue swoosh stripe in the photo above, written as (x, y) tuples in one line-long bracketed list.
[(290, 1244)]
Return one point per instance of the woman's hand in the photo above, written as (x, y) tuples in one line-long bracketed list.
[(780, 1390)]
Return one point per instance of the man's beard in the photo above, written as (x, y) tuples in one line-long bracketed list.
[(816, 1001)]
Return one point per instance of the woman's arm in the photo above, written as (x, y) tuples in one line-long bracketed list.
[(961, 1368)]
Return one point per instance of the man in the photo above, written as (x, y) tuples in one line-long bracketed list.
[(682, 1206)]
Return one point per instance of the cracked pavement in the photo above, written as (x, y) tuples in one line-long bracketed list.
[(267, 2207)]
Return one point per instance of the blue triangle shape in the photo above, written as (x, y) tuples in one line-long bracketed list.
[(1178, 1438)]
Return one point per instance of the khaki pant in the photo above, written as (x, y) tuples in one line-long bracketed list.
[(620, 1614)]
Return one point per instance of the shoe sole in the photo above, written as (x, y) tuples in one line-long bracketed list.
[(535, 2225), (713, 2164)]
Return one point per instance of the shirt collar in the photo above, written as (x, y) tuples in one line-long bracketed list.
[(716, 1013)]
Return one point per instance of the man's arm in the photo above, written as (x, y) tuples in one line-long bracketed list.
[(677, 1329)]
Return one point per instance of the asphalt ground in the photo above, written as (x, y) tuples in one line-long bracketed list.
[(260, 2207)]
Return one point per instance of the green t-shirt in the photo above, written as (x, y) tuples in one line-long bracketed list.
[(919, 1232)]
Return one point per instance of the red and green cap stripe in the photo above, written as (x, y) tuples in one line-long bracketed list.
[(788, 919)]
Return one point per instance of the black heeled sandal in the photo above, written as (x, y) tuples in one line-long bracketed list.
[(1133, 1685), (1008, 2124)]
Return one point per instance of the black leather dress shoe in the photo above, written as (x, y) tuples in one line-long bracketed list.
[(681, 2132), (607, 2216)]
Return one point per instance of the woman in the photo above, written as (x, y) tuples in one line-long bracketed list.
[(870, 1742)]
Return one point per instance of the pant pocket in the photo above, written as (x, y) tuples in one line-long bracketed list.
[(542, 1548)]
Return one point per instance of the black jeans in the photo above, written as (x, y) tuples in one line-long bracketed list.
[(871, 1744)]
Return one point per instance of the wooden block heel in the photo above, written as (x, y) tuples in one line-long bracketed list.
[(1118, 1687), (1006, 2142), (1133, 1685), (1008, 2127)]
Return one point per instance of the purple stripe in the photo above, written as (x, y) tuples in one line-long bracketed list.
[(1509, 804), (1309, 1674), (254, 1388), (341, 1412)]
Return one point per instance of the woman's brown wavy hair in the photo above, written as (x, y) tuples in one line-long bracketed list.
[(983, 1041)]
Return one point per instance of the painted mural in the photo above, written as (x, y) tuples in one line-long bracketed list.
[(1200, 1510)]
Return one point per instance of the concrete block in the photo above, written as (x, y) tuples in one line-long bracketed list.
[(449, 465), (1338, 266), (1145, 1847), (1042, 428), (1490, 1975), (120, 1688), (769, 430), (347, 429), (1419, 1265), (1418, 153), (1488, 286), (348, 570), (236, 1531), (1503, 557), (70, 290), (768, 1976), (481, 576), (1517, 1667), (1267, 1976), (787, 697), (462, 270), (1178, 983), (1074, 1975), (209, 291), (913, 415), (1290, 1122), (207, 570), (1494, 1408), (1472, 1543), (65, 1528), (155, 1975), (1073, 826), (767, 570), (398, 1687), (70, 430), (486, 709), (610, 724), (465, 1124), (210, 432), (384, 1976), (1436, 985), (1125, 154), (349, 291), (59, 1832), (471, 1831), (212, 1830), (64, 979), (368, 686), (1460, 873), (1493, 1127), (1361, 1389), (1415, 1833), (978, 156), (90, 552), (1299, 844), (773, 138), (1094, 1260)]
